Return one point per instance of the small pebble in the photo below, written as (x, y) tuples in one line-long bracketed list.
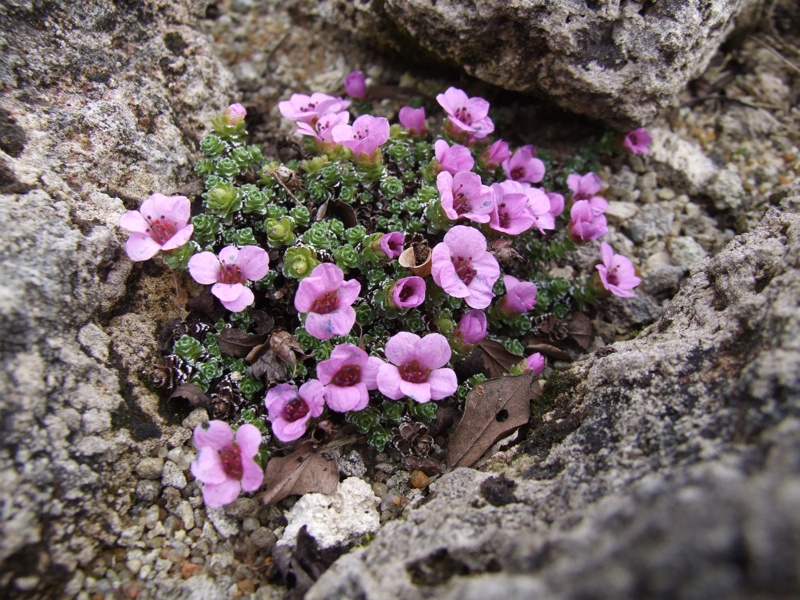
[(150, 468), (418, 479)]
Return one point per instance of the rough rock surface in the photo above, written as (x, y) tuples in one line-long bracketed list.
[(101, 105), (616, 60), (667, 466)]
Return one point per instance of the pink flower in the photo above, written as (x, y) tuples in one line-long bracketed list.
[(585, 187), (235, 114), (364, 136), (225, 466), (160, 224), (463, 268), (307, 109), (413, 119), (348, 375), (322, 129), (496, 154), (638, 141), (510, 213), (466, 115), (472, 327), (417, 368), (465, 196), (392, 244), (230, 272), (290, 409), (408, 292), (524, 166), (327, 299), (556, 204), (355, 85), (540, 207), (586, 224), (520, 296), (535, 362), (617, 273), (455, 159)]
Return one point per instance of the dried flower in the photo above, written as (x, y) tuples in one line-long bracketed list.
[(466, 115), (413, 119), (230, 272), (408, 292), (524, 166), (617, 273), (638, 141), (348, 375), (417, 368), (160, 224), (355, 85), (453, 159), (463, 268), (290, 409), (327, 298)]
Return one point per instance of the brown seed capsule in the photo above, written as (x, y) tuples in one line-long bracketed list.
[(418, 479)]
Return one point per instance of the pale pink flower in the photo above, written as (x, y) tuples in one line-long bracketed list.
[(472, 327), (466, 115), (230, 272), (524, 166), (413, 119), (496, 154), (225, 466), (348, 375), (617, 273), (510, 213), (585, 187), (465, 196), (638, 141), (535, 362), (355, 85), (289, 409), (235, 113), (463, 267), (307, 109), (540, 206), (585, 223), (392, 244), (364, 136), (453, 159), (417, 368), (408, 292), (556, 204), (160, 224), (322, 128), (520, 296), (327, 298)]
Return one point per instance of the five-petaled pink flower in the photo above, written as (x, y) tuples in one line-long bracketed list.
[(617, 273), (290, 409), (230, 272), (638, 141), (322, 128), (327, 299), (408, 292), (472, 327), (463, 195), (510, 213), (225, 466), (453, 159), (355, 85), (496, 154), (466, 116), (524, 166), (160, 224), (586, 224), (417, 368), (348, 375), (364, 136), (463, 268), (392, 244), (413, 119), (307, 109), (520, 296), (585, 187)]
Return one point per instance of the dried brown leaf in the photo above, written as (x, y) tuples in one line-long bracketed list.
[(580, 329), (269, 368), (304, 470), (286, 348), (496, 358), (239, 343), (547, 348), (341, 210), (493, 410), (192, 393)]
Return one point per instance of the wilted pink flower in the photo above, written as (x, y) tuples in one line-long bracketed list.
[(417, 368), (510, 213), (617, 273), (355, 85), (413, 119), (465, 196), (496, 154), (585, 187), (307, 109), (322, 129), (160, 224), (364, 136), (455, 159), (535, 362), (290, 409), (463, 268), (225, 466), (466, 115), (586, 224), (230, 272), (392, 244), (408, 292), (348, 375), (327, 299), (235, 113), (472, 327), (556, 204), (638, 141), (524, 166), (520, 296)]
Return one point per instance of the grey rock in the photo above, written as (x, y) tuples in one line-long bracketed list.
[(148, 490), (686, 251), (225, 525), (172, 476), (242, 508), (264, 539)]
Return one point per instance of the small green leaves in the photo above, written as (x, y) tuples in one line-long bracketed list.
[(298, 262), (280, 232), (188, 348), (223, 200)]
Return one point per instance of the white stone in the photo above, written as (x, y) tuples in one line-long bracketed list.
[(686, 251), (173, 476), (226, 526), (621, 211), (185, 513)]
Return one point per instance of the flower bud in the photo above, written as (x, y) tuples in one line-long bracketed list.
[(235, 114)]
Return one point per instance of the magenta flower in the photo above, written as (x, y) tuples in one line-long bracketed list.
[(585, 187), (524, 166), (417, 368), (617, 273), (225, 466), (520, 296), (322, 128), (413, 119), (466, 115), (465, 196), (586, 224), (638, 141), (535, 362), (510, 213), (455, 159), (355, 85), (463, 268), (160, 224), (307, 109), (540, 207), (556, 204), (290, 409), (348, 375), (230, 272), (496, 154), (408, 292), (327, 299), (235, 114), (364, 136), (392, 244), (472, 327)]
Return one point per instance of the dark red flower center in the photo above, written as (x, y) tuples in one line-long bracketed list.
[(502, 215), (346, 376), (230, 274), (295, 409), (413, 372), (162, 229), (231, 458), (463, 115), (612, 276), (326, 303), (464, 269), (406, 292), (517, 173)]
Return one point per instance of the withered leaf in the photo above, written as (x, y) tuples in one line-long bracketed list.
[(548, 349), (304, 470), (580, 329), (192, 393), (493, 409), (496, 358), (341, 210), (286, 348), (503, 250), (239, 343), (269, 368)]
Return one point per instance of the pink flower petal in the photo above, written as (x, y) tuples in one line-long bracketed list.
[(214, 434), (443, 383), (177, 209), (252, 475), (349, 291), (134, 221), (222, 493), (141, 247), (402, 347), (344, 399), (288, 432), (207, 466), (420, 392), (227, 292), (248, 437), (245, 299), (179, 239), (152, 208), (389, 381), (253, 261), (434, 350), (313, 392), (341, 321), (606, 253), (204, 268), (369, 372)]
